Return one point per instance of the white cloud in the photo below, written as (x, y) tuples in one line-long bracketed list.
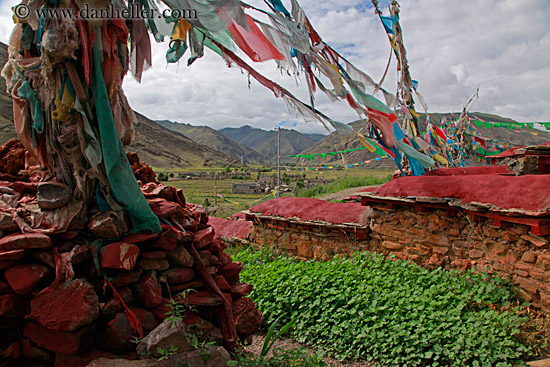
[(452, 46)]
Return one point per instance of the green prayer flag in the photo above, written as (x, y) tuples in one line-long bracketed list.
[(124, 187)]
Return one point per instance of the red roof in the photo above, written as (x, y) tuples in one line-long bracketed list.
[(230, 228), (529, 194), (307, 209), (480, 170)]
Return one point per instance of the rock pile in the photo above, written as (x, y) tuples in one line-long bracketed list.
[(96, 289)]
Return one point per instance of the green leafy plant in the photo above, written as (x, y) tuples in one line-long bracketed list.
[(166, 353), (179, 307), (390, 311), (297, 357), (270, 339), (198, 341)]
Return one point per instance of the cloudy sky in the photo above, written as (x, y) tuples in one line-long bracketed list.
[(453, 47)]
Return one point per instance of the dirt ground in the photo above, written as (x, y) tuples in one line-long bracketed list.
[(287, 344)]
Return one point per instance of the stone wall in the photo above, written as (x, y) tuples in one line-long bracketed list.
[(309, 241), (435, 238)]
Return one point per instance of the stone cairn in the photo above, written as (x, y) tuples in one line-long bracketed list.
[(96, 291)]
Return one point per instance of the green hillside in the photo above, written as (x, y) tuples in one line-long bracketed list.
[(265, 141), (216, 140)]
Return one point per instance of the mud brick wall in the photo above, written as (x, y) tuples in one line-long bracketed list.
[(308, 241), (434, 239)]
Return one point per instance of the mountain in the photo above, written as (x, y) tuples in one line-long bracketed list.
[(216, 140), (339, 142), (265, 142), (155, 145), (162, 148)]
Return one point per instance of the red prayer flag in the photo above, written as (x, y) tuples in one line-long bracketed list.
[(253, 42)]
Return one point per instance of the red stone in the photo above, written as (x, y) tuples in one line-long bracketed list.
[(146, 318), (12, 305), (461, 264), (476, 254), (63, 360), (119, 255), (247, 317), (163, 311), (529, 286), (148, 290), (537, 241), (140, 237), (153, 264), (44, 257), (529, 257), (217, 246), (392, 246), (119, 333), (241, 289), (5, 287), (195, 284), (222, 283), (158, 190), (58, 341), (198, 213), (67, 307), (164, 208), (231, 271), (180, 256), (111, 224), (127, 279), (179, 275), (12, 255), (153, 255), (68, 235), (4, 264), (203, 238), (23, 278), (226, 259), (231, 228), (181, 197), (203, 298), (114, 306), (17, 241), (171, 237), (31, 351)]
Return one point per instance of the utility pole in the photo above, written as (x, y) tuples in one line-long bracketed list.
[(279, 161), (215, 188)]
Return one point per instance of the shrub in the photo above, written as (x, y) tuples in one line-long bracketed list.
[(392, 312)]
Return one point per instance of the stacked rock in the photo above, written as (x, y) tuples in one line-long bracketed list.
[(95, 290)]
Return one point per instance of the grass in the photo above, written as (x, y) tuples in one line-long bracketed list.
[(203, 191), (343, 183), (391, 312)]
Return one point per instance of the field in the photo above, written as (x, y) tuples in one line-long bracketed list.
[(203, 191)]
